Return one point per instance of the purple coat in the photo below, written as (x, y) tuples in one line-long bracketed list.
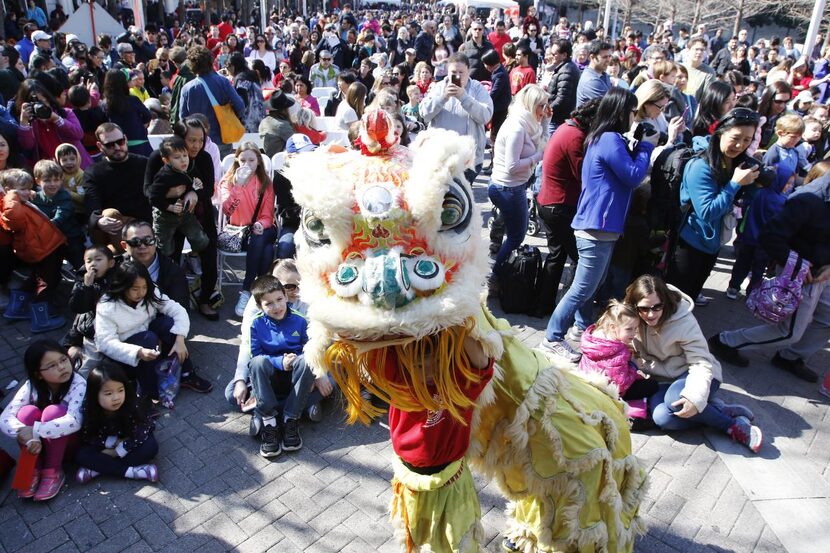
[(609, 357)]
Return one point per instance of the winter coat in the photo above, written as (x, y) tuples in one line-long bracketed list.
[(710, 203), (41, 137), (562, 90), (61, 211), (33, 235), (609, 357), (609, 175), (676, 347)]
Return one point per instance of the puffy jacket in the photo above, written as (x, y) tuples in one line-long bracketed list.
[(562, 89), (33, 236), (610, 173), (609, 357)]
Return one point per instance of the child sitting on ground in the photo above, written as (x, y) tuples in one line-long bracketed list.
[(280, 379), (117, 438), (171, 211), (56, 203), (44, 413), (69, 159)]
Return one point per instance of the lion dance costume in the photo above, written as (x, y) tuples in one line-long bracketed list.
[(393, 266)]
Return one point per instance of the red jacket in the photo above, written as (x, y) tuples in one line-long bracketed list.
[(33, 236)]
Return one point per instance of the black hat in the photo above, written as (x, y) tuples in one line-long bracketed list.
[(279, 100)]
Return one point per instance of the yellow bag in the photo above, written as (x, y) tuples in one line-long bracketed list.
[(229, 124)]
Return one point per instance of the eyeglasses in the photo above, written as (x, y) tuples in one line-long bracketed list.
[(118, 142), (290, 286), (656, 308), (662, 106), (146, 241), (55, 364)]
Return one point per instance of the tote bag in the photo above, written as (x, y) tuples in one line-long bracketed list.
[(230, 125)]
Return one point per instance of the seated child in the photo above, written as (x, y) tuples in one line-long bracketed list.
[(812, 135), (89, 117), (44, 413), (171, 212), (69, 159), (135, 325), (116, 437), (26, 234), (56, 203), (137, 85), (410, 110), (87, 291), (280, 379)]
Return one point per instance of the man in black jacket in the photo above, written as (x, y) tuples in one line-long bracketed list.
[(802, 226), (474, 48), (562, 87), (139, 241)]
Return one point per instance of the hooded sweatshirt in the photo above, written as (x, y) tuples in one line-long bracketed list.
[(609, 357), (676, 347)]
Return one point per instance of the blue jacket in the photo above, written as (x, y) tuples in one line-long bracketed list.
[(194, 99), (274, 338), (609, 175), (500, 89), (25, 48), (710, 203)]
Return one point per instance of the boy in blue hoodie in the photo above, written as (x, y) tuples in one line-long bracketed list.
[(280, 378), (766, 203)]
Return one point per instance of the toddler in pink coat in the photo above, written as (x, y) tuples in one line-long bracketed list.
[(606, 345)]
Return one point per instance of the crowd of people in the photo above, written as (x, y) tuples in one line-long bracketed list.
[(643, 157)]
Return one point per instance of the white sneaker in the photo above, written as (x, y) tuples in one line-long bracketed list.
[(574, 334), (732, 293), (244, 296), (559, 349)]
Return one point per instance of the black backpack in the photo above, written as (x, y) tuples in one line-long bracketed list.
[(518, 278)]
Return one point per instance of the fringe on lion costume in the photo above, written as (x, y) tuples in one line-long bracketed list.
[(393, 264)]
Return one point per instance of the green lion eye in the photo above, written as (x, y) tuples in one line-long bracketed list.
[(450, 214), (315, 225), (314, 230), (455, 209)]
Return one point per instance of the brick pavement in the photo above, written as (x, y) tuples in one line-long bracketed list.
[(217, 494)]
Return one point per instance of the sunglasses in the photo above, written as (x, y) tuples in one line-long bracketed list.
[(656, 308), (325, 59), (290, 286), (777, 101), (119, 142), (146, 241)]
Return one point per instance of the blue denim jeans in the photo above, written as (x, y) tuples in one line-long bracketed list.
[(285, 244), (259, 255), (577, 303), (266, 379), (512, 202), (662, 411)]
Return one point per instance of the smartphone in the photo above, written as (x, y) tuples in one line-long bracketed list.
[(456, 80), (685, 111)]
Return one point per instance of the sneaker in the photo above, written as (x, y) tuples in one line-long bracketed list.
[(292, 441), (146, 472), (26, 494), (508, 545), (84, 475), (732, 293), (271, 441), (733, 410), (796, 367), (196, 383), (51, 482), (702, 301), (726, 353), (574, 334), (255, 427), (559, 349), (744, 432), (824, 389), (244, 296), (315, 413)]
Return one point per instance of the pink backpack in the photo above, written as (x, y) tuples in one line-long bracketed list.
[(776, 299)]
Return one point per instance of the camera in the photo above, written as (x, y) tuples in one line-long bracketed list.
[(766, 175), (647, 129), (40, 110)]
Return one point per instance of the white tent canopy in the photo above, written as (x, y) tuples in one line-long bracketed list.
[(498, 4), (86, 23)]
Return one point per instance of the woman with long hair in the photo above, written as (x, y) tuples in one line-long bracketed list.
[(246, 84), (610, 173), (652, 99), (43, 129), (127, 111), (263, 51), (352, 109), (710, 184), (773, 104), (302, 92), (10, 153), (423, 76), (716, 101), (441, 51)]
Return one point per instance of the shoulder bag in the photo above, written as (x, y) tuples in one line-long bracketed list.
[(229, 124)]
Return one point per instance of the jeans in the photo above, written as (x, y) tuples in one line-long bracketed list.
[(259, 255), (690, 268), (92, 457), (512, 202), (576, 304), (157, 334), (561, 240), (663, 413), (285, 244), (313, 397), (266, 379), (51, 455)]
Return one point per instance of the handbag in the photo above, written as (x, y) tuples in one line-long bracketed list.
[(234, 238), (229, 124), (776, 299)]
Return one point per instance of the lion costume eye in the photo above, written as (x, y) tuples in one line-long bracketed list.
[(455, 209), (314, 230)]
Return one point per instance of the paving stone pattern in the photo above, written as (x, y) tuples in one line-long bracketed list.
[(217, 494)]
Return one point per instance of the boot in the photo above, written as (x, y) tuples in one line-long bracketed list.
[(42, 321), (18, 308)]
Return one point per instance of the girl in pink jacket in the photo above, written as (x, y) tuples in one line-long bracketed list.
[(606, 345)]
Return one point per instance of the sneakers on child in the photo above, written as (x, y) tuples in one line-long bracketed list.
[(315, 412), (144, 472), (733, 410), (30, 492), (271, 441), (292, 441), (559, 348), (196, 383), (732, 293), (51, 482), (244, 296), (84, 475), (742, 431)]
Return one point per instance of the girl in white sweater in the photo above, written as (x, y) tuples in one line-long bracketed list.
[(135, 325)]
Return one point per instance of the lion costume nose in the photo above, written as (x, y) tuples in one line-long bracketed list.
[(386, 282)]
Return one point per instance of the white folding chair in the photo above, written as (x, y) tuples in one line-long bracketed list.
[(226, 273), (227, 161), (278, 162), (155, 140), (249, 137), (322, 103), (337, 137), (322, 92)]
